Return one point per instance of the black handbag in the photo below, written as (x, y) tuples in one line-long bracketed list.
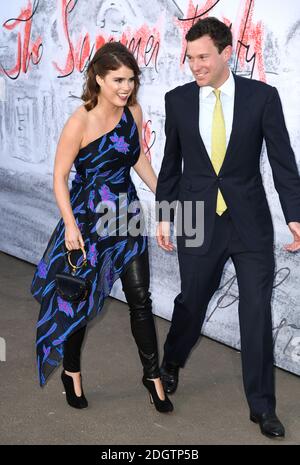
[(70, 287)]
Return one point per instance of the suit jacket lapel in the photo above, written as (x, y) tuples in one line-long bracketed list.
[(194, 114), (240, 113)]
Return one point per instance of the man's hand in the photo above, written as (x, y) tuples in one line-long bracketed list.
[(295, 230), (163, 236)]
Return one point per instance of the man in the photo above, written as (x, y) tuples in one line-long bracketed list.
[(215, 128)]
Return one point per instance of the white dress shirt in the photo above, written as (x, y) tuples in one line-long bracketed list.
[(207, 100)]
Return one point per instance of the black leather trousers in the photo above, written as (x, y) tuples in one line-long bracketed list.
[(135, 283)]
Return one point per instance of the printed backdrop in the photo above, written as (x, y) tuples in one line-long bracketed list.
[(44, 50)]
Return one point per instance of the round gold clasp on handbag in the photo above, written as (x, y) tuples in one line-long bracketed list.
[(75, 267)]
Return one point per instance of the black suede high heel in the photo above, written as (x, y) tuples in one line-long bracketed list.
[(163, 406), (72, 399)]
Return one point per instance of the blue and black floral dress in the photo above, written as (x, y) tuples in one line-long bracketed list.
[(102, 178)]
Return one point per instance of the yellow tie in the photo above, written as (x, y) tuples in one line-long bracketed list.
[(218, 146)]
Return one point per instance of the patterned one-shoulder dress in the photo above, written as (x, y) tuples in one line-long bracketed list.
[(102, 177)]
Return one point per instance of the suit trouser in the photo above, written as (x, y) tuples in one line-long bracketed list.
[(135, 282), (200, 278)]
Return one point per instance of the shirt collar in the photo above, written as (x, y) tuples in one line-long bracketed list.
[(226, 88)]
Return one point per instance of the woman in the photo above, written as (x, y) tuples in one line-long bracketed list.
[(103, 140)]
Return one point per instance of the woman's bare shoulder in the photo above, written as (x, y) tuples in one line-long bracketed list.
[(80, 114), (78, 119)]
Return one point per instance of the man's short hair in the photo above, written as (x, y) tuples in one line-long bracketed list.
[(214, 28)]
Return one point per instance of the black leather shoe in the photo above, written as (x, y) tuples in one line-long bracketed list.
[(269, 424), (169, 376)]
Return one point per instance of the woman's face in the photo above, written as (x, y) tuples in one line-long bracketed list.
[(117, 86)]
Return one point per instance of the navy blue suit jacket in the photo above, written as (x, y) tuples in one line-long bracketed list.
[(187, 172)]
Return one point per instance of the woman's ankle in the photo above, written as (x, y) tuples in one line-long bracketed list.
[(76, 377), (158, 387)]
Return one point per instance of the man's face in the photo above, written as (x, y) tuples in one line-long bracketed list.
[(209, 67)]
